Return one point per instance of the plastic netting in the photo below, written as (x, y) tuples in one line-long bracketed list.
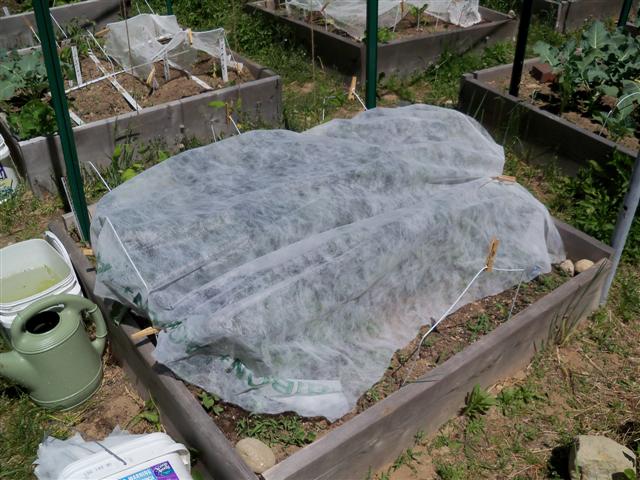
[(287, 268), (350, 15), (140, 41)]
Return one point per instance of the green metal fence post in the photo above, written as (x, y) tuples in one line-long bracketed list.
[(624, 13), (169, 7), (372, 53), (59, 102)]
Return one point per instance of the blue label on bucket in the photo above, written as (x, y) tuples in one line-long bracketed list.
[(161, 471)]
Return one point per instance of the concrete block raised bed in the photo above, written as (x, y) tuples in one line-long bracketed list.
[(546, 134), (570, 15), (15, 31), (260, 100), (398, 57), (375, 437)]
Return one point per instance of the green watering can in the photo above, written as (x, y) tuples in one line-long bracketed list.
[(52, 355)]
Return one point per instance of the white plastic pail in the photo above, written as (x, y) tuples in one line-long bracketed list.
[(52, 271), (150, 457)]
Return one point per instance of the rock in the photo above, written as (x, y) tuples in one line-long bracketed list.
[(256, 454), (567, 267), (583, 265), (595, 457)]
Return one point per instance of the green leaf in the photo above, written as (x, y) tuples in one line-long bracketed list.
[(29, 63), (547, 53), (7, 90), (597, 35), (217, 104), (609, 90), (128, 174)]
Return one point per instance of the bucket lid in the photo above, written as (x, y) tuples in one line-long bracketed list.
[(139, 450)]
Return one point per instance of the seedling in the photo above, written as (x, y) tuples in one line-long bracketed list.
[(512, 400), (149, 414), (478, 403), (210, 403), (480, 326), (275, 430)]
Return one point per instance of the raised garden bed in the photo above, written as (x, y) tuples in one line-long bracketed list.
[(483, 94), (571, 15), (15, 31), (179, 109), (375, 436), (408, 52)]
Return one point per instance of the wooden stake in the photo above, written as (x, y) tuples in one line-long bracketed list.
[(352, 88), (145, 332), (190, 35), (493, 250), (505, 178), (152, 74), (102, 32)]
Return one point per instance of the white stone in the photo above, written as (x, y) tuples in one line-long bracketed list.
[(567, 267), (595, 457), (583, 265), (257, 455)]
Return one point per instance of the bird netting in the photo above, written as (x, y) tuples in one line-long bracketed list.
[(350, 15), (285, 269), (139, 42)]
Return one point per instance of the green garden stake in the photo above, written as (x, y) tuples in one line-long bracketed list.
[(624, 13), (59, 102), (52, 355), (372, 53), (169, 7)]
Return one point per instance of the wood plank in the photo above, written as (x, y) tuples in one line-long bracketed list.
[(379, 434), (189, 422)]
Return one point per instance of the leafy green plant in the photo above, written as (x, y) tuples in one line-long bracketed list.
[(478, 403), (283, 430), (591, 199), (601, 63), (479, 326), (385, 35), (149, 414), (630, 474), (210, 403), (511, 400), (418, 12), (33, 119)]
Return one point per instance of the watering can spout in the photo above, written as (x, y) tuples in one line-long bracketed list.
[(14, 367)]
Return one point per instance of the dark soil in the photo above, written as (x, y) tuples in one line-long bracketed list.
[(546, 97), (456, 332), (101, 99)]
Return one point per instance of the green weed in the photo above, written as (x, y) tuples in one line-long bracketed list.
[(478, 403), (512, 400), (283, 430), (210, 403), (447, 471), (149, 414), (479, 326)]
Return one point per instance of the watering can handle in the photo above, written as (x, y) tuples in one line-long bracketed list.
[(74, 302)]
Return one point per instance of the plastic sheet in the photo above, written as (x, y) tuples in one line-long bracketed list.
[(350, 15), (54, 455), (138, 42), (287, 268)]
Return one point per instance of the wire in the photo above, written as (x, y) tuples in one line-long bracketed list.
[(448, 311)]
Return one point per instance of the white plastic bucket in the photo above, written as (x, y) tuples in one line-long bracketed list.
[(8, 178), (17, 291), (150, 457)]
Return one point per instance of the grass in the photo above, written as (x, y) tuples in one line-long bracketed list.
[(280, 430)]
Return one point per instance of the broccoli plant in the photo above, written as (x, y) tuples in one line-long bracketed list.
[(23, 82), (602, 63)]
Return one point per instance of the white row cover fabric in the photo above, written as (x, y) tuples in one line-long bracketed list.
[(138, 42), (350, 15), (287, 268)]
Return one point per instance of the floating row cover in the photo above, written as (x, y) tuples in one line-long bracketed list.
[(140, 41), (287, 268), (350, 16)]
